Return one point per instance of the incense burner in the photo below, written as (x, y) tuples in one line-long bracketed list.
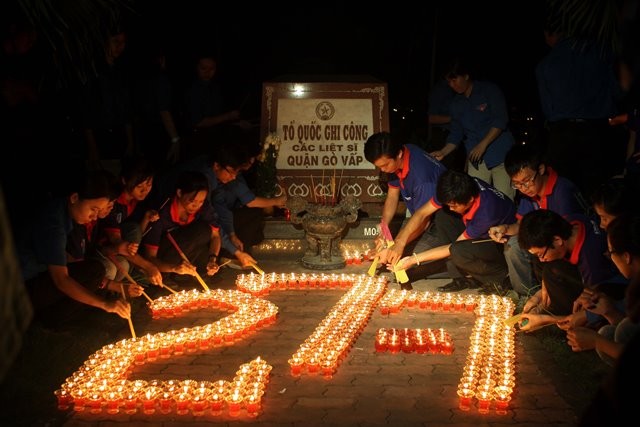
[(324, 225)]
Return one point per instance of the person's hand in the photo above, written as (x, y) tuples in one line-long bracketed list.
[(403, 264), (584, 300), (212, 266), (280, 201), (619, 119), (119, 307), (438, 154), (151, 215), (475, 155), (498, 233), (236, 242), (134, 290), (154, 275), (529, 322), (572, 321), (186, 268), (245, 259), (390, 256), (127, 248), (581, 339), (532, 304), (380, 243)]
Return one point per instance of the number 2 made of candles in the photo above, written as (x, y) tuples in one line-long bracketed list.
[(106, 371)]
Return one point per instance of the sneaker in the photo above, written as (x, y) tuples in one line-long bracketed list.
[(458, 284)]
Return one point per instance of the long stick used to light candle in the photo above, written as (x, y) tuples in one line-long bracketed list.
[(184, 257), (340, 184), (313, 190), (322, 188), (126, 275), (333, 187), (133, 332), (159, 209)]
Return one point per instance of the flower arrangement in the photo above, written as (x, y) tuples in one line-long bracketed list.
[(266, 170)]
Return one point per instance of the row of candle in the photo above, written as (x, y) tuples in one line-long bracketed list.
[(489, 371), (246, 307), (395, 299), (261, 284), (325, 348), (409, 340), (188, 396)]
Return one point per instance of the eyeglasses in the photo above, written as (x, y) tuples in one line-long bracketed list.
[(525, 183), (543, 254)]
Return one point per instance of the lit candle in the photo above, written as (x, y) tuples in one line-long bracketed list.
[(234, 400), (64, 399), (252, 404), (465, 395), (296, 365)]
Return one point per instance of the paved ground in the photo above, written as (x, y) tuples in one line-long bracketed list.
[(368, 388)]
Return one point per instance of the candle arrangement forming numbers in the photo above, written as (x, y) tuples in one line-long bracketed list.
[(262, 284), (395, 299), (101, 384), (421, 341), (327, 346), (489, 371)]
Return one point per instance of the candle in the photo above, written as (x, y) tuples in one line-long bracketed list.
[(64, 398), (149, 398), (252, 404), (199, 402), (216, 401), (183, 401), (296, 365), (502, 398), (465, 395), (95, 402), (130, 403), (484, 401), (234, 401), (113, 401)]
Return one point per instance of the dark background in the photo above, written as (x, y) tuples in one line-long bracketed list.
[(404, 46)]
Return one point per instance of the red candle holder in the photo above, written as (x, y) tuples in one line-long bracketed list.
[(112, 402), (64, 399), (296, 364), (465, 396), (183, 403), (234, 401), (252, 405), (216, 402), (130, 403)]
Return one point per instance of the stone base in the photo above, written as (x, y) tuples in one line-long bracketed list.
[(317, 263)]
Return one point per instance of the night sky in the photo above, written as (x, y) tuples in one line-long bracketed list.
[(394, 44)]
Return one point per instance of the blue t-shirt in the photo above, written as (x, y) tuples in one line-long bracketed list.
[(169, 220), (588, 253), (473, 117), (44, 242), (235, 194), (490, 208), (418, 177), (560, 196)]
